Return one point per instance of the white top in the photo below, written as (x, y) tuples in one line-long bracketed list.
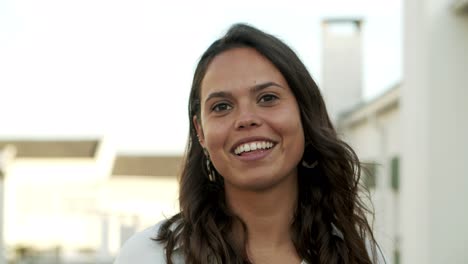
[(141, 249)]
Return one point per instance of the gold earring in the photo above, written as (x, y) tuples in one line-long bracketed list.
[(309, 166), (311, 155), (211, 173)]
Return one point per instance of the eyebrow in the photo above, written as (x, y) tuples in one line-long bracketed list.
[(254, 89)]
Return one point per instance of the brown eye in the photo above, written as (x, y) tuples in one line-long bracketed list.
[(221, 107), (268, 98)]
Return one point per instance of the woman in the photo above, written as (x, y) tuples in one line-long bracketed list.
[(265, 178)]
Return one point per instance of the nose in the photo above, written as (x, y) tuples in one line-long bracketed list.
[(247, 119)]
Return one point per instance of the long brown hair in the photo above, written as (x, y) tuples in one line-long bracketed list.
[(330, 224)]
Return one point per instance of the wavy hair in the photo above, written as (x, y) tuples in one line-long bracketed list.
[(330, 224)]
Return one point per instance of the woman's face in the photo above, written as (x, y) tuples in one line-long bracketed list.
[(250, 121)]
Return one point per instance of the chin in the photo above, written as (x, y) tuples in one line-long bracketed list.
[(257, 183)]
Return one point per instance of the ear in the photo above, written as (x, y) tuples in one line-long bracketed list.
[(198, 128)]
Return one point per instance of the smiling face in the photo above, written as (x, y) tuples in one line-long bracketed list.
[(249, 122)]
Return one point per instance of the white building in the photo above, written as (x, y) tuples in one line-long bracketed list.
[(434, 109), (417, 134), (77, 200), (373, 129)]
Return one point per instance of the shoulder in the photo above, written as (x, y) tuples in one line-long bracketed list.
[(142, 249)]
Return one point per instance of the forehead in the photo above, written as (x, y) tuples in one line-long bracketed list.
[(239, 68)]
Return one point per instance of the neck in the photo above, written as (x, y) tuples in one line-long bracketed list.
[(267, 214)]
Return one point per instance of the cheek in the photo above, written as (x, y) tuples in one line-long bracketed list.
[(294, 140), (290, 125), (215, 140), (215, 136), (295, 133), (292, 133)]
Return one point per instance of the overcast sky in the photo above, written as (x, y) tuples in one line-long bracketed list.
[(123, 69)]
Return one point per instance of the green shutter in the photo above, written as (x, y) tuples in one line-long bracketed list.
[(396, 256), (369, 171), (395, 173)]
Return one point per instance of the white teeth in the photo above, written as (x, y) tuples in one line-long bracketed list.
[(253, 146), (246, 147), (257, 145)]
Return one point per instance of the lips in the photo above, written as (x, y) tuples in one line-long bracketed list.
[(253, 144)]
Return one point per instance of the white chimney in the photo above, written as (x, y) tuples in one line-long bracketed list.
[(342, 65)]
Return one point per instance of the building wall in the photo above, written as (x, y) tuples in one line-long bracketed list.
[(376, 139), (38, 198), (134, 203), (434, 142), (68, 203)]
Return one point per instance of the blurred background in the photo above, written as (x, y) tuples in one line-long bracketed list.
[(93, 115)]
